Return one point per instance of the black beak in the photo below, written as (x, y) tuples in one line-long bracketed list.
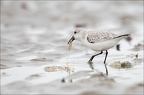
[(71, 40)]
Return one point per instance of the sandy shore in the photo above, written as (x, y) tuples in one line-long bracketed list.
[(34, 48)]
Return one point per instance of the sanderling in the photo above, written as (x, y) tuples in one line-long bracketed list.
[(97, 41)]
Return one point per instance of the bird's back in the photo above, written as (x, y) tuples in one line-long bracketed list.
[(102, 40), (95, 37)]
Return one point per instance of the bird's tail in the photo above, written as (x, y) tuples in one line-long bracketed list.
[(125, 35)]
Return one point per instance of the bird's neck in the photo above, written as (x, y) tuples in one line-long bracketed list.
[(84, 35)]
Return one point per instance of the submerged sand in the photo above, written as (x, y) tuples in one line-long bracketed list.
[(34, 48)]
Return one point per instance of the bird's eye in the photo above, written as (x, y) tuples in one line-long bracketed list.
[(75, 32)]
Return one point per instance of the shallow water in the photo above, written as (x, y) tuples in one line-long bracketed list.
[(34, 38)]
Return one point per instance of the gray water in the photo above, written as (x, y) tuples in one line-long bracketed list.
[(34, 36)]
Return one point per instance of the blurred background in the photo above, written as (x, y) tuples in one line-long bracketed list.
[(35, 33), (41, 24)]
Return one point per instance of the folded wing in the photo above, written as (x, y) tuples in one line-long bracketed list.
[(95, 37)]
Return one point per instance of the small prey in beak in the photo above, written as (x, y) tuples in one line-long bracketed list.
[(70, 45)]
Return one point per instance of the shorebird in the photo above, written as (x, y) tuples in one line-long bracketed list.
[(97, 41)]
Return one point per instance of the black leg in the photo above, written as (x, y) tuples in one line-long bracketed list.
[(105, 62), (94, 56)]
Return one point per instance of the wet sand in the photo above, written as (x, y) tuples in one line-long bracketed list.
[(34, 48)]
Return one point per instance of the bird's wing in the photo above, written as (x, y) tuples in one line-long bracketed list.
[(95, 37)]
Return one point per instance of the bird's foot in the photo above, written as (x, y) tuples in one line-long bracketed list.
[(91, 65), (90, 62), (106, 73)]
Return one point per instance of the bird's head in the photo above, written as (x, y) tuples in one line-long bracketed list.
[(77, 34)]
